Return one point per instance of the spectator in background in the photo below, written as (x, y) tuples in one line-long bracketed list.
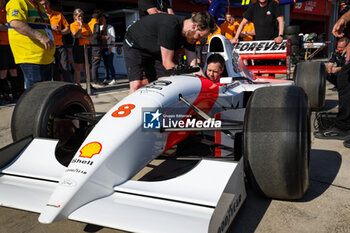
[(109, 53), (59, 27), (215, 67), (148, 7), (95, 19), (337, 61), (248, 32), (31, 40), (96, 41), (265, 14), (82, 35), (341, 128), (7, 63), (229, 27)]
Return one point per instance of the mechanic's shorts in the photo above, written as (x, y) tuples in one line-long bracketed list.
[(78, 54), (7, 61), (138, 61)]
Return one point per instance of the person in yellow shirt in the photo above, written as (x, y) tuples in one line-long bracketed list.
[(59, 27), (31, 39), (7, 62), (82, 35), (229, 27)]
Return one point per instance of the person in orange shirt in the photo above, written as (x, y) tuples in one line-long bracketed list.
[(7, 62), (248, 32), (81, 34), (95, 19), (229, 27), (59, 27)]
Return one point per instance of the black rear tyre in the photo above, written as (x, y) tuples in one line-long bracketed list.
[(294, 39), (311, 76), (277, 142), (41, 111), (292, 30)]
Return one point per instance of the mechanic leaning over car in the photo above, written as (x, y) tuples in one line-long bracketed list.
[(150, 43), (341, 128), (336, 61), (215, 67)]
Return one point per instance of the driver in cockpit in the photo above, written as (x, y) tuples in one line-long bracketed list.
[(215, 67)]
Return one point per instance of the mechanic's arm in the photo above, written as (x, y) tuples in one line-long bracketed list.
[(192, 61), (335, 69), (152, 10), (339, 26), (171, 11), (24, 29), (329, 67), (279, 38), (167, 57), (235, 40)]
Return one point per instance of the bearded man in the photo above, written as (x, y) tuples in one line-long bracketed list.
[(150, 43)]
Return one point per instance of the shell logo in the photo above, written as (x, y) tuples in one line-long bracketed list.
[(90, 149)]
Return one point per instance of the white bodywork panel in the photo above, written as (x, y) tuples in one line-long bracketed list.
[(96, 187)]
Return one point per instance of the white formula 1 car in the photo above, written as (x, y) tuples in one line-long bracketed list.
[(80, 164)]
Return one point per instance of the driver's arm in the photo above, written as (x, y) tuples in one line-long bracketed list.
[(167, 57)]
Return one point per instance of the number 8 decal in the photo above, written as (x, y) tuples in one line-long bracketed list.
[(123, 110)]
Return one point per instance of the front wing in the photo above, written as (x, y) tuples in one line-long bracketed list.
[(205, 199)]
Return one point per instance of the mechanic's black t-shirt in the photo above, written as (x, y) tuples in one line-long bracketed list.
[(264, 19), (153, 31), (161, 5)]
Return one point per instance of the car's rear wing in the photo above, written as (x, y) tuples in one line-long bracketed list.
[(267, 49)]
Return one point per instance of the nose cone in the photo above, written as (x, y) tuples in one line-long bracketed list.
[(51, 214)]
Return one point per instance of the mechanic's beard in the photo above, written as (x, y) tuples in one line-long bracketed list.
[(190, 37)]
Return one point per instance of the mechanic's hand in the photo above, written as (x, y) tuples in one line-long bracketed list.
[(338, 28), (234, 40), (278, 39)]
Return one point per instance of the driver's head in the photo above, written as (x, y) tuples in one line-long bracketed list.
[(215, 67)]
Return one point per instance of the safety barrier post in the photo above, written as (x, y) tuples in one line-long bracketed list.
[(87, 70)]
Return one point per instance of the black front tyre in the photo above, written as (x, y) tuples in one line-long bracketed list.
[(277, 142), (44, 110)]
